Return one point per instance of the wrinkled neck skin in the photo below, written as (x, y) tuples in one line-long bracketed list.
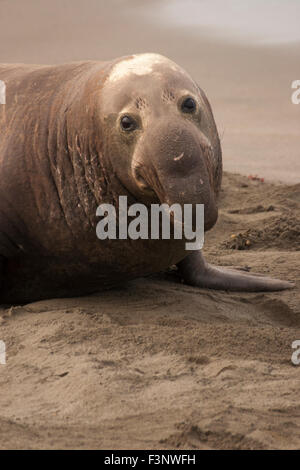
[(52, 172), (80, 148), (79, 156)]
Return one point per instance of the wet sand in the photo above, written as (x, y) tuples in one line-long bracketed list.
[(158, 364)]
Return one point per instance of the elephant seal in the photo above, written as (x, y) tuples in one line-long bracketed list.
[(77, 135)]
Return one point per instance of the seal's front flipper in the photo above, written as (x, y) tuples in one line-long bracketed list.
[(195, 271)]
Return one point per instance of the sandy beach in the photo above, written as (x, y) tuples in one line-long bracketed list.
[(157, 364)]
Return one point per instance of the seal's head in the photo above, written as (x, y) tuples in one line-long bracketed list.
[(160, 133)]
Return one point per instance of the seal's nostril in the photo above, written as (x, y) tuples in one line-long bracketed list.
[(140, 180)]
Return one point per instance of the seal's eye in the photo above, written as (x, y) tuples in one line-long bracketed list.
[(189, 105), (128, 123)]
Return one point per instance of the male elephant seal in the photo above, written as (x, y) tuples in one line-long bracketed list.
[(77, 135)]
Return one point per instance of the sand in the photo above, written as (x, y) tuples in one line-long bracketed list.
[(157, 364)]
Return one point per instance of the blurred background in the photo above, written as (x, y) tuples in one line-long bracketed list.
[(243, 53)]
